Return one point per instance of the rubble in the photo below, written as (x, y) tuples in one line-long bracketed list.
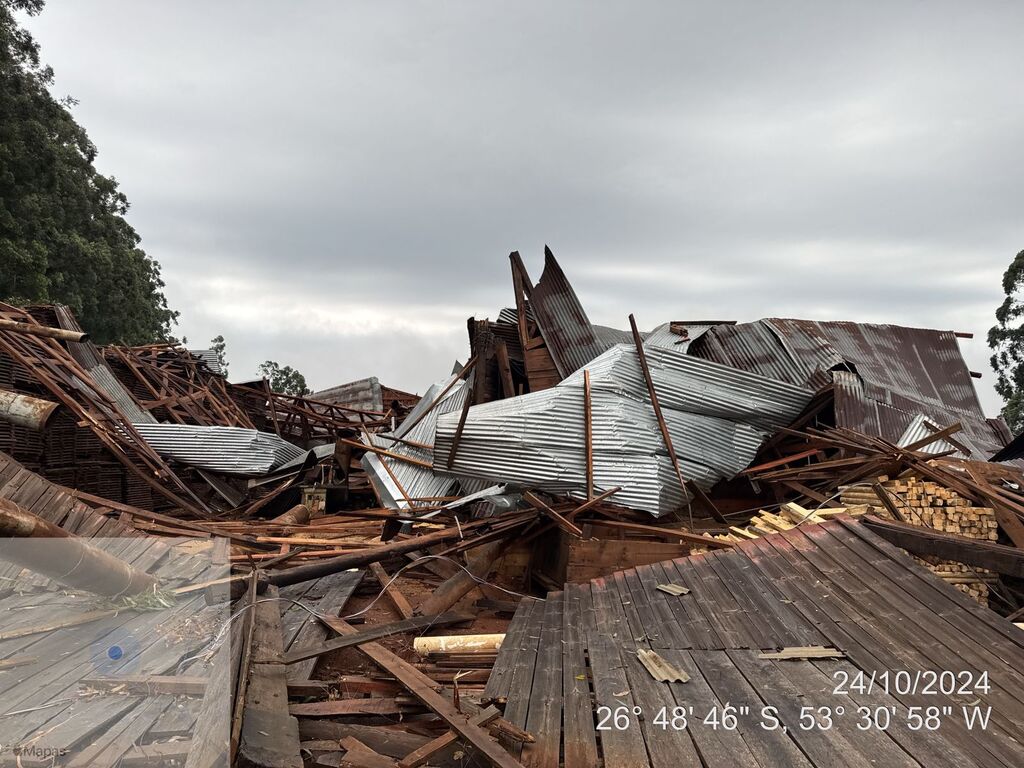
[(579, 517)]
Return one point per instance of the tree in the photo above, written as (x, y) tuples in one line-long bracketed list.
[(1007, 343), (63, 235), (284, 379), (218, 346)]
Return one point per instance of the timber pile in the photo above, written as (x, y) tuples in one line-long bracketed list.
[(926, 503), (789, 516)]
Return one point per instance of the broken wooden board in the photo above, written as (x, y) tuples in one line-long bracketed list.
[(804, 652), (375, 633), (270, 735), (423, 688)]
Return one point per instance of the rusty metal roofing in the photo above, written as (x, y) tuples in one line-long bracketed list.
[(884, 375), (567, 331)]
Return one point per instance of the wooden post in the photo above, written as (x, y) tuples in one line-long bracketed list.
[(663, 426), (508, 388), (32, 329)]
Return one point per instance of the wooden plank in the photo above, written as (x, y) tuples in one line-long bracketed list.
[(392, 593), (504, 369), (270, 735), (462, 583), (423, 754), (620, 748), (516, 641), (545, 714), (374, 633), (312, 632), (377, 705), (615, 609), (948, 546), (423, 688), (165, 753), (768, 747), (846, 627), (564, 524), (577, 707)]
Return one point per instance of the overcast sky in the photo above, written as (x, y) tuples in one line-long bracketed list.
[(337, 185)]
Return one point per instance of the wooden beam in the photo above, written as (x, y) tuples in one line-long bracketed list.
[(270, 735), (592, 503), (398, 601), (929, 542), (34, 329), (374, 633), (423, 688), (666, 533), (566, 525), (419, 756), (508, 387), (461, 583), (663, 426)]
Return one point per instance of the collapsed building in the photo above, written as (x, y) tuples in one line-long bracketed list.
[(604, 542)]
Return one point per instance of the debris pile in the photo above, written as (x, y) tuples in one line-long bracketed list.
[(579, 522)]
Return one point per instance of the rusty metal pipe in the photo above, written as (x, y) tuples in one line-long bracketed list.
[(42, 330), (25, 410), (37, 544)]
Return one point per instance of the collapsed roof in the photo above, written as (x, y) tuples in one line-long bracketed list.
[(519, 416)]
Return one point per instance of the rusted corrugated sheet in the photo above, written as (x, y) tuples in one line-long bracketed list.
[(885, 375), (567, 332)]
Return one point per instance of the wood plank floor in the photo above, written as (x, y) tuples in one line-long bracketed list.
[(570, 665)]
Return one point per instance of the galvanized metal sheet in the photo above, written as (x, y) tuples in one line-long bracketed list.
[(231, 450), (364, 395), (399, 484), (717, 417)]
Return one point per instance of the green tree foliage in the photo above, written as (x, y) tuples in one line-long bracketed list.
[(63, 236), (284, 379), (218, 346), (1007, 343)]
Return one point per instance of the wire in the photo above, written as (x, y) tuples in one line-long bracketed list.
[(219, 637)]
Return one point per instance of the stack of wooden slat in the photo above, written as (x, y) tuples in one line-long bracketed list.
[(929, 504), (789, 516)]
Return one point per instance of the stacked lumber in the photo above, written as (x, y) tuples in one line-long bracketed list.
[(928, 504), (788, 516)]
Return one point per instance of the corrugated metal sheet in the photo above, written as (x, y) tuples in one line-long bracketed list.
[(563, 323), (665, 336), (922, 427), (717, 416), (231, 450), (394, 479), (209, 358), (885, 375), (87, 356), (363, 395)]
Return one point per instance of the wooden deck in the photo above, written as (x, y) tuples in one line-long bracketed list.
[(833, 585)]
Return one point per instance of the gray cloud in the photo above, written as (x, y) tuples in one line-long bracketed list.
[(337, 185)]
